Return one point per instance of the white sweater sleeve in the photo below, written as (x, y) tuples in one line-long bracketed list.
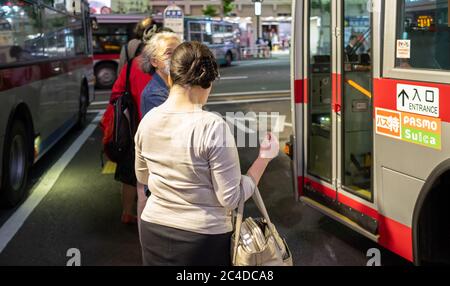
[(141, 169), (226, 174)]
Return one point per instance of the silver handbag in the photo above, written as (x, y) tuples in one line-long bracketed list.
[(258, 242)]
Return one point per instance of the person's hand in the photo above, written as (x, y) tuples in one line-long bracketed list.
[(270, 147)]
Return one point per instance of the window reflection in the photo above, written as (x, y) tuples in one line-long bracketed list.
[(425, 24), (20, 34), (357, 100), (319, 139), (109, 38)]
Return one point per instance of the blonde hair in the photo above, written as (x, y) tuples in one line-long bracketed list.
[(152, 48)]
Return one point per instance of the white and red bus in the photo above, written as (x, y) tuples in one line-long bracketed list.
[(46, 82), (371, 113), (112, 33)]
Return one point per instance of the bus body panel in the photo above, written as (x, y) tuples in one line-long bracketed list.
[(46, 76), (299, 97), (399, 172), (51, 97), (396, 161)]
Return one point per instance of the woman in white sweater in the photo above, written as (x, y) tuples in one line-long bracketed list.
[(188, 158)]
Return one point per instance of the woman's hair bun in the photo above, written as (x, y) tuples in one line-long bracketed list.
[(193, 64)]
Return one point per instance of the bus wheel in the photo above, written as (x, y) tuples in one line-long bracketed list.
[(433, 233), (105, 74), (16, 165), (228, 59), (83, 106)]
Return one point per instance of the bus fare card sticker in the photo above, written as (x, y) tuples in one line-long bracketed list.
[(403, 49), (413, 128)]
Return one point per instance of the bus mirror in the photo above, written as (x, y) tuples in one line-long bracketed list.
[(94, 23)]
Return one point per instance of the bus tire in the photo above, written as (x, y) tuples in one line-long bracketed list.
[(16, 165), (105, 75), (228, 59), (83, 106)]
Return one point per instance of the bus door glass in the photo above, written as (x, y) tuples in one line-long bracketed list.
[(319, 162), (356, 99)]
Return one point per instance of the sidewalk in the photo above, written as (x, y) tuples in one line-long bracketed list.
[(281, 52)]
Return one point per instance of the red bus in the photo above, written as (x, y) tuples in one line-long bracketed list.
[(46, 83), (371, 113), (112, 33)]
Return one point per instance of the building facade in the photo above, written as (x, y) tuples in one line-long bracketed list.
[(242, 8), (274, 23)]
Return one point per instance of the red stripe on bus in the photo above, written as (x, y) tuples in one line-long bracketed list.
[(300, 91), (385, 95), (320, 188), (301, 185), (24, 75), (107, 57), (394, 236), (331, 193), (336, 97)]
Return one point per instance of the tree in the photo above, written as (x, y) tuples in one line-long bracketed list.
[(210, 11), (228, 6)]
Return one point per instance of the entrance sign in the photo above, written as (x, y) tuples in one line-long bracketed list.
[(418, 99)]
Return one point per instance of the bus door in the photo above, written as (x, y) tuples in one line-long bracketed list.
[(339, 111), (354, 98)]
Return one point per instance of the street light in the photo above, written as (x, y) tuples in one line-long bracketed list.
[(258, 9)]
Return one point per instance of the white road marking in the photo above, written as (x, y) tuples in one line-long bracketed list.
[(18, 218), (233, 77), (259, 62), (266, 92), (225, 102), (95, 111), (95, 103)]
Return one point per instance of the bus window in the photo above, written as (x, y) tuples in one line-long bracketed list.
[(55, 34), (207, 39), (320, 120), (109, 38), (357, 99), (195, 32), (195, 27), (425, 24), (78, 34), (19, 32)]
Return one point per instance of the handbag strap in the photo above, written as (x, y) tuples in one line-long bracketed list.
[(238, 225), (240, 216), (127, 79), (262, 209)]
